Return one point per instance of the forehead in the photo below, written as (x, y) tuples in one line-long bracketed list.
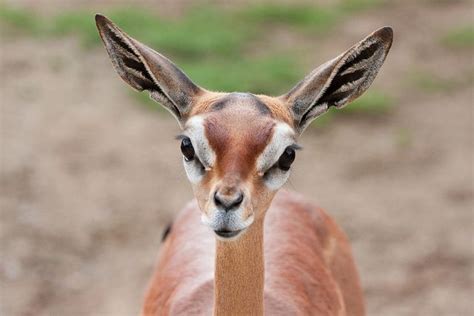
[(239, 118), (238, 124)]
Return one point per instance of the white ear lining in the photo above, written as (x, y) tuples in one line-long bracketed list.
[(340, 80)]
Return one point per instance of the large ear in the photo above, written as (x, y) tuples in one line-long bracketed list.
[(339, 81), (144, 69)]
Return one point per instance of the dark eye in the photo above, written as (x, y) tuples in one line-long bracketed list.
[(286, 159), (187, 149)]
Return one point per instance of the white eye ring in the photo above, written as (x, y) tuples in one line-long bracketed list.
[(194, 169), (195, 130), (275, 178)]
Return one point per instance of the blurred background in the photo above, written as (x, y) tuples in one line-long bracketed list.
[(91, 174)]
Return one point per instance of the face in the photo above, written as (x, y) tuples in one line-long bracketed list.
[(237, 152)]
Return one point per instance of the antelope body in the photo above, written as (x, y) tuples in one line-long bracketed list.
[(258, 251)]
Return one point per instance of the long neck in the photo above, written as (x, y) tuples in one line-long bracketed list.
[(239, 274)]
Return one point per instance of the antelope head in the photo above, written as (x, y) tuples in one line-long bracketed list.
[(238, 148)]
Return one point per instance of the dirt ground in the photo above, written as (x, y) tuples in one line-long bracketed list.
[(89, 180)]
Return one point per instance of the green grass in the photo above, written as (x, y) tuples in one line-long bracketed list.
[(459, 37), (271, 74), (306, 17), (197, 35), (429, 82), (76, 23), (18, 19), (204, 31), (312, 18)]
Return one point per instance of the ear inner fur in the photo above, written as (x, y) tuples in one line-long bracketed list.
[(340, 80), (144, 69)]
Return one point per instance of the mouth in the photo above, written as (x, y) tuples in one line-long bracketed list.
[(227, 233)]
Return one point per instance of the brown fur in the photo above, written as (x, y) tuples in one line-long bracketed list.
[(304, 259), (238, 137), (239, 274), (301, 276), (317, 275)]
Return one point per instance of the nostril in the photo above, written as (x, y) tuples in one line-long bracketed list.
[(217, 200), (228, 203), (239, 199)]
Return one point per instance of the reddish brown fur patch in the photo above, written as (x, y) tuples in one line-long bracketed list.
[(238, 136)]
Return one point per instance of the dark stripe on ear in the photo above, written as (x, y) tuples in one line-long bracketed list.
[(340, 80), (119, 41), (138, 66), (144, 69), (166, 232), (333, 98), (144, 84), (330, 100), (368, 52)]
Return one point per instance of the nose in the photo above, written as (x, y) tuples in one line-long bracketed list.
[(228, 200)]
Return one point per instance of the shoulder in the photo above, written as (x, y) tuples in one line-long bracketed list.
[(317, 256), (300, 239), (184, 267), (294, 209)]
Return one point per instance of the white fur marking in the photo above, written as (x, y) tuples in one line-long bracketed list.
[(283, 136), (194, 129)]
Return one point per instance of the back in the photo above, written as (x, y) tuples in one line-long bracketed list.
[(308, 264)]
